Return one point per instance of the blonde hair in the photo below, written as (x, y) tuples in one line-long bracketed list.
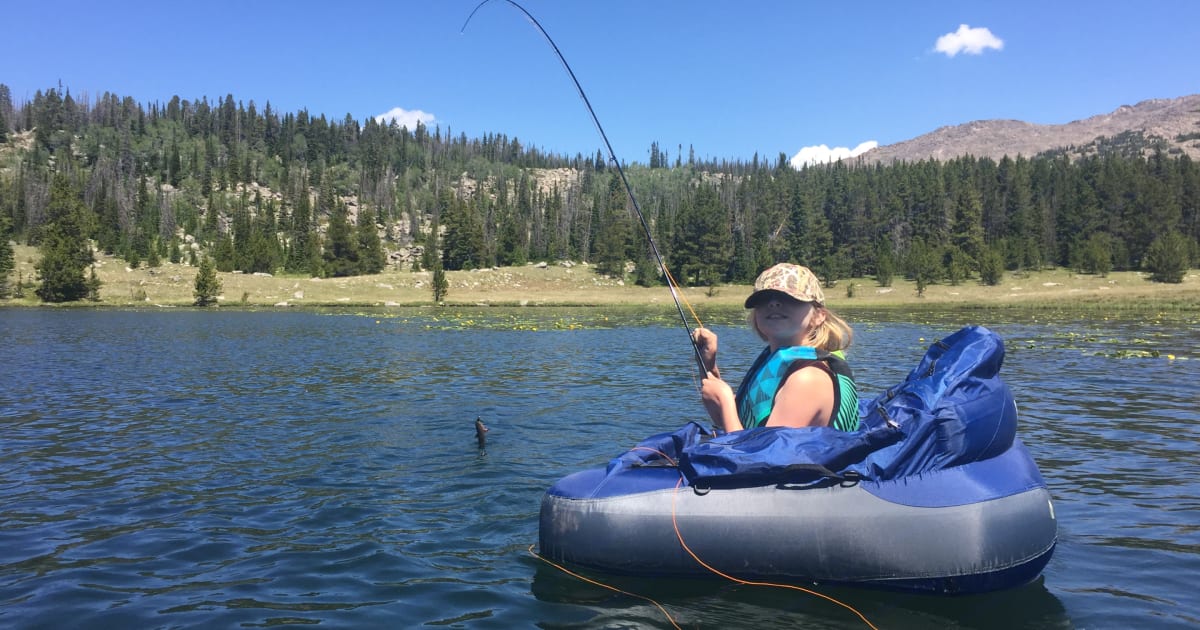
[(833, 334)]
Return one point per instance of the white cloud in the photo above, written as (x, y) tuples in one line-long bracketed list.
[(405, 118), (821, 154), (971, 41)]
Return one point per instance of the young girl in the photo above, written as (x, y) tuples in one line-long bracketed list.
[(801, 379)]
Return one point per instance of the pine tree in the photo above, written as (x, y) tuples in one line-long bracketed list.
[(371, 259), (557, 237), (956, 263), (260, 250), (812, 239), (1167, 258), (224, 255), (440, 286), (991, 267), (834, 267), (462, 244), (7, 260), (243, 235), (152, 258), (208, 285), (968, 224), (923, 265), (430, 256), (614, 230), (93, 285), (703, 242), (341, 248), (300, 236), (175, 166), (147, 222), (646, 271), (521, 231), (65, 249), (107, 237), (511, 246), (885, 263), (1095, 255)]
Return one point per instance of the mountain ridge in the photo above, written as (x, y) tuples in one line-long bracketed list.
[(1170, 123)]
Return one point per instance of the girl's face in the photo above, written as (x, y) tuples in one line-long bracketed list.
[(782, 321)]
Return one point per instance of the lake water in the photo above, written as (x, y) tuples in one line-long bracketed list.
[(247, 469)]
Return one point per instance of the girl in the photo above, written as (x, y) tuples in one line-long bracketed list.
[(801, 379)]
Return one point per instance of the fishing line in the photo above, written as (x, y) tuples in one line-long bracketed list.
[(671, 283), (710, 568), (603, 585), (612, 157)]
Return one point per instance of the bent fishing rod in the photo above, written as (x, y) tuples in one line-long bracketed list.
[(612, 157)]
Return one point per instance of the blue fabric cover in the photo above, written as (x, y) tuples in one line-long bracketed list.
[(950, 410)]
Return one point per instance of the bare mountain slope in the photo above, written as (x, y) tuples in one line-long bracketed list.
[(1176, 122)]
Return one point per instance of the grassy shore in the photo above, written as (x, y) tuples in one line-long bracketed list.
[(171, 285)]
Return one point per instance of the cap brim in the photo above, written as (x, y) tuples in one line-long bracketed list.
[(758, 297)]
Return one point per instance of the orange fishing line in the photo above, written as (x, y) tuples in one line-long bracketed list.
[(679, 535), (602, 585)]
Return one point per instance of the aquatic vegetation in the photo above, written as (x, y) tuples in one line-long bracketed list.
[(1151, 337), (1090, 343), (520, 318), (1126, 353)]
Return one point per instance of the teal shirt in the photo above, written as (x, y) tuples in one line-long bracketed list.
[(756, 394)]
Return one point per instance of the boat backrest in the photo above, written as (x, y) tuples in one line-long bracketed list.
[(953, 408)]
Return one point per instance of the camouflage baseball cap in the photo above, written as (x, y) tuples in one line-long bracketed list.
[(794, 281)]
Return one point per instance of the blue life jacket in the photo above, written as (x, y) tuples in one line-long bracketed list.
[(756, 393)]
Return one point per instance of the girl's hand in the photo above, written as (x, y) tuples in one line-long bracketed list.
[(706, 343)]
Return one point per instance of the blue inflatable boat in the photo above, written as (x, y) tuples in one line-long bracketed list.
[(934, 493)]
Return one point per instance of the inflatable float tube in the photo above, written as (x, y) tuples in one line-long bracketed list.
[(934, 494), (979, 527)]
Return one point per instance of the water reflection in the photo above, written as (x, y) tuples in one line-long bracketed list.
[(699, 603)]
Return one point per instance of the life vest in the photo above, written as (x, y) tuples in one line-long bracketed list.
[(756, 394)]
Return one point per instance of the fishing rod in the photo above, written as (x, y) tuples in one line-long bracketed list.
[(612, 157)]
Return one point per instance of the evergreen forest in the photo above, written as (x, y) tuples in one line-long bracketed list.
[(258, 190)]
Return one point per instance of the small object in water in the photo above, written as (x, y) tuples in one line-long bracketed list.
[(481, 432)]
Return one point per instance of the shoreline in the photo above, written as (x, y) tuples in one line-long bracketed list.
[(577, 285)]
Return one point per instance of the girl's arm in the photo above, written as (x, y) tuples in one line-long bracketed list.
[(719, 401), (804, 400)]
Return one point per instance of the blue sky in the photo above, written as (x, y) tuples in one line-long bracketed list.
[(728, 78)]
